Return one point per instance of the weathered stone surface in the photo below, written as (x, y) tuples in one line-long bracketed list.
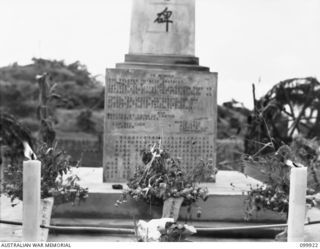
[(142, 106), (163, 27)]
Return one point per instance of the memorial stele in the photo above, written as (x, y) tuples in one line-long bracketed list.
[(160, 91)]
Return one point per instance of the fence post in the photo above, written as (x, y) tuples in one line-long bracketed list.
[(31, 218), (297, 204)]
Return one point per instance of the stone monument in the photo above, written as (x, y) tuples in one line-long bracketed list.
[(160, 91)]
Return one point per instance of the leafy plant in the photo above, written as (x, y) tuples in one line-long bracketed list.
[(57, 179), (161, 177), (267, 197), (84, 121), (174, 232), (274, 193)]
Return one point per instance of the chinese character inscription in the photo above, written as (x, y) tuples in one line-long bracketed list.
[(164, 17)]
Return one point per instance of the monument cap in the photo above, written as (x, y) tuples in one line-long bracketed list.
[(163, 27)]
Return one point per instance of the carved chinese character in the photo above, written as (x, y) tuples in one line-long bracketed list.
[(164, 17)]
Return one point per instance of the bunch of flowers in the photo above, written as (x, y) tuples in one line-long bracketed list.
[(161, 177), (274, 194), (267, 197), (57, 179), (174, 232)]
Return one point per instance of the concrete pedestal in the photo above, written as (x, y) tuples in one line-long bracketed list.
[(225, 202), (145, 105)]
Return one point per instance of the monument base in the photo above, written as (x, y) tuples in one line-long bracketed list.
[(225, 203), (166, 62), (143, 106)]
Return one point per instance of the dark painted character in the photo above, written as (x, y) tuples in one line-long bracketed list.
[(164, 17)]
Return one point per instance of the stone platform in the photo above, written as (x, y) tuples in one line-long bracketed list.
[(225, 202)]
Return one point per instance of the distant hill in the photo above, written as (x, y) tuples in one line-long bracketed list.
[(19, 89), (80, 91), (76, 85)]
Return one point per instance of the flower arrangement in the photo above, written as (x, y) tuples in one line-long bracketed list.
[(57, 179), (266, 197), (174, 232), (162, 177), (274, 193), (162, 230)]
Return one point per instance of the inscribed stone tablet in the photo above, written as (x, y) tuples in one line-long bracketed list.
[(143, 105)]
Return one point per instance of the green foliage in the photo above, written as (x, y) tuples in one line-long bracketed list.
[(55, 163), (274, 195), (232, 118), (162, 177), (174, 232), (307, 152), (76, 86), (57, 179), (84, 121), (13, 133), (60, 71), (267, 197), (30, 123)]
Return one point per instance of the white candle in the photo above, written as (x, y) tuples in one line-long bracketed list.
[(297, 204), (31, 200)]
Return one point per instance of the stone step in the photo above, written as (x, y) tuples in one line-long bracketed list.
[(225, 203)]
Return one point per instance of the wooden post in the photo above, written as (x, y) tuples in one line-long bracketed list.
[(31, 200), (43, 96), (46, 132), (297, 204)]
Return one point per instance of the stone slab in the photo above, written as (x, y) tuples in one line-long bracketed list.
[(90, 176), (166, 62), (162, 59), (163, 27), (142, 106), (225, 202), (164, 66), (13, 213)]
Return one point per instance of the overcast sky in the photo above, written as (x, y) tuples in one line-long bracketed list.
[(245, 41)]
